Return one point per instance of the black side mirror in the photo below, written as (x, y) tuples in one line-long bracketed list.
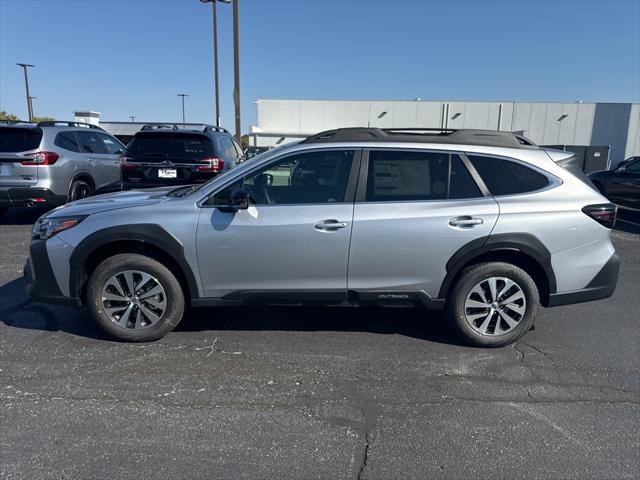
[(621, 169), (238, 200)]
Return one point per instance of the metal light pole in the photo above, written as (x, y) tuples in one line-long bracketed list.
[(215, 54), (31, 106), (182, 95), (26, 84), (236, 71), (132, 118)]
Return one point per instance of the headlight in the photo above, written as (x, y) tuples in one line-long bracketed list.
[(46, 228)]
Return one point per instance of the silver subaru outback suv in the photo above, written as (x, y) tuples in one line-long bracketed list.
[(483, 224), (49, 163)]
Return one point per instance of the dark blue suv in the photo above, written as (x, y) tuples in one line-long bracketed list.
[(161, 155)]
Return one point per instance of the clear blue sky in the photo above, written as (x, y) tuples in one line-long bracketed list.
[(132, 57)]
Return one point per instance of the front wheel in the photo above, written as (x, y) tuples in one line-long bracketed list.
[(135, 298), (493, 304)]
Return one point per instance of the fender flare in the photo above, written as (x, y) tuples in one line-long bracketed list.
[(151, 234), (525, 243)]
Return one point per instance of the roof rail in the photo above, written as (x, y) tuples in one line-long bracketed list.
[(491, 138), (13, 122), (215, 128), (53, 123), (156, 126), (187, 126)]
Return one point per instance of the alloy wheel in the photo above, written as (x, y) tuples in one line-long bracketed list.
[(134, 299), (495, 306)]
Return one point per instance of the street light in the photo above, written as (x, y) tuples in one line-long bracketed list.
[(31, 105), (215, 54), (236, 71), (26, 85), (133, 119), (182, 95)]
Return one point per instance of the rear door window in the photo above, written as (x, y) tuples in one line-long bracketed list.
[(417, 176), (226, 147), (68, 141), (179, 146), (507, 177), (90, 142), (14, 139)]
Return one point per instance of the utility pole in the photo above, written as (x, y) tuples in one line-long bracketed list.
[(26, 85), (236, 71), (132, 118), (214, 13), (182, 95)]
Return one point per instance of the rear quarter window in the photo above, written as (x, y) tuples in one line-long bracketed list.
[(507, 177), (67, 140), (19, 139)]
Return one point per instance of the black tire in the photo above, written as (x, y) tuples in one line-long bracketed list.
[(3, 210), (173, 297), (80, 189), (472, 277)]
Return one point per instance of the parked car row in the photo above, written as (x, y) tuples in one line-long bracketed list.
[(50, 163)]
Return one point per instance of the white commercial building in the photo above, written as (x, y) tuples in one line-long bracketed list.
[(616, 125)]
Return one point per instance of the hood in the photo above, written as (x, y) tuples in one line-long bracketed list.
[(112, 201)]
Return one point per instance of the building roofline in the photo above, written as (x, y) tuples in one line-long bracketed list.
[(425, 100)]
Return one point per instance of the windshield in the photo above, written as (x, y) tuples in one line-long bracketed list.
[(175, 145)]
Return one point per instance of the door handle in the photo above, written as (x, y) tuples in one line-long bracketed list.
[(328, 225), (465, 221)]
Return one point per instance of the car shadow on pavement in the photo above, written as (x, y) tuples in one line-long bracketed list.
[(18, 311), (418, 323), (22, 216)]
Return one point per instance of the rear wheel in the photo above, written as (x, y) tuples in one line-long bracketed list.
[(79, 189), (135, 298), (493, 304)]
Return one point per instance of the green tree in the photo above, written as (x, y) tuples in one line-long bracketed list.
[(8, 116), (43, 119), (244, 141)]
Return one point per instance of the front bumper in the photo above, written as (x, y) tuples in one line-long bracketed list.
[(602, 286), (21, 196), (40, 282)]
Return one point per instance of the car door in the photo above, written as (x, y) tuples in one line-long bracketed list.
[(627, 185), (413, 211), (97, 160), (292, 243), (114, 150)]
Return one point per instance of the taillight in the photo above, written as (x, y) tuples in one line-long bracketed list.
[(211, 164), (603, 213), (126, 166), (42, 158)]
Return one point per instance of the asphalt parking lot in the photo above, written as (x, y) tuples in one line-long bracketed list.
[(318, 392)]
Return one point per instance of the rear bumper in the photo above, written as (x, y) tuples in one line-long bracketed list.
[(148, 178), (40, 282), (21, 196), (602, 286)]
